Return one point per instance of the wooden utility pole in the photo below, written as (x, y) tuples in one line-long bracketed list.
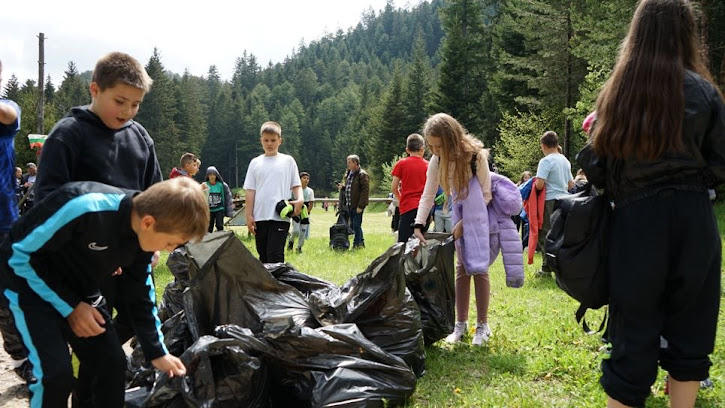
[(41, 86)]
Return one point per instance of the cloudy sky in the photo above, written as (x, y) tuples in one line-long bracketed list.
[(189, 35)]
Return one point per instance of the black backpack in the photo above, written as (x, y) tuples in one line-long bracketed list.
[(576, 249), (340, 232)]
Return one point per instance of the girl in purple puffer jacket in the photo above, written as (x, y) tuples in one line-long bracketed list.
[(455, 156)]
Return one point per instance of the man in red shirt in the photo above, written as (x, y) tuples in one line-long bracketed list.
[(408, 182)]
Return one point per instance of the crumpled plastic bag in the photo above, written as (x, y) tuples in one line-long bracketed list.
[(230, 286), (376, 300), (219, 374), (328, 366), (430, 277)]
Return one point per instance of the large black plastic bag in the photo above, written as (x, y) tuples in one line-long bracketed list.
[(177, 339), (332, 366), (172, 300), (379, 303), (306, 284), (376, 300), (230, 286), (219, 374), (429, 275)]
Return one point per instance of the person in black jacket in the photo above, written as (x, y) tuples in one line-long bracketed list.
[(57, 256), (657, 145)]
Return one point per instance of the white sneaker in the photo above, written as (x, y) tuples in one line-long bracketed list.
[(483, 333), (458, 331)]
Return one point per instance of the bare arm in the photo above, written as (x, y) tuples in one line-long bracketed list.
[(297, 191), (570, 185), (249, 211), (8, 115), (539, 183), (395, 187)]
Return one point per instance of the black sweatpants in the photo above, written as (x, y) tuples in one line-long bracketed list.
[(664, 266), (405, 228), (12, 342), (216, 217), (46, 334), (270, 239)]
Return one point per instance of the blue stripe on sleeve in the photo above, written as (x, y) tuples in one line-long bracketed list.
[(36, 399), (154, 312), (20, 259)]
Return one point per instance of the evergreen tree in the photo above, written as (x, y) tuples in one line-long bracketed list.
[(157, 114), (417, 88), (49, 90), (73, 91), (190, 117), (391, 135), (12, 88), (464, 64)]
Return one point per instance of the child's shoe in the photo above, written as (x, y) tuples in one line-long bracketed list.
[(458, 331), (483, 333)]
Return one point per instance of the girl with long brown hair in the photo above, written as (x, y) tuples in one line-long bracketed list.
[(455, 156), (657, 145)]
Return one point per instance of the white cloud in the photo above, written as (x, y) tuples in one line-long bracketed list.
[(189, 34)]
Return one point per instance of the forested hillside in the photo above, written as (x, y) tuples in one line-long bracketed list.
[(508, 69)]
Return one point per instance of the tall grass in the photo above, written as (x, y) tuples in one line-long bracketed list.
[(537, 357)]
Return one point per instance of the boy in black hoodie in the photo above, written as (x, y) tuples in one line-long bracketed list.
[(101, 142)]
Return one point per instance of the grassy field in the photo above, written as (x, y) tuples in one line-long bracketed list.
[(537, 357)]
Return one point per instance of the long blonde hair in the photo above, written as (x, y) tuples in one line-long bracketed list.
[(457, 147)]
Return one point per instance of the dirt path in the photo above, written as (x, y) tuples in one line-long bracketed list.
[(12, 391)]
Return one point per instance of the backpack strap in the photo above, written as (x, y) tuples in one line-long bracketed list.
[(579, 315)]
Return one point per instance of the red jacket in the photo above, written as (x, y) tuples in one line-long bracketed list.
[(534, 206), (175, 172)]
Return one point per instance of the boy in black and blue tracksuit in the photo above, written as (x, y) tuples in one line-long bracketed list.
[(59, 253)]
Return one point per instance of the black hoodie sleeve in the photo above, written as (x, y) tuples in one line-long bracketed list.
[(139, 295), (58, 160)]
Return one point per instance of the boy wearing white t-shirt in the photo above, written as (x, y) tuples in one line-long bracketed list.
[(270, 177)]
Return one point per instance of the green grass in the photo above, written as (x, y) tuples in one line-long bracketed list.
[(537, 357)]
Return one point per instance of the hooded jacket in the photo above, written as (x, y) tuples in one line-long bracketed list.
[(81, 147), (502, 231), (228, 205), (473, 247)]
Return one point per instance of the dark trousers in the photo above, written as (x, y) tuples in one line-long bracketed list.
[(357, 218), (405, 228), (395, 222), (12, 342), (270, 239), (664, 266), (216, 217), (546, 226), (47, 334)]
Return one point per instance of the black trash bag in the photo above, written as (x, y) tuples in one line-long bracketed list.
[(430, 277), (328, 366), (177, 338), (172, 300), (306, 284), (230, 286), (179, 264), (219, 374), (378, 301)]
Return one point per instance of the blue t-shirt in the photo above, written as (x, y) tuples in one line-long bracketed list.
[(8, 204), (556, 170)]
